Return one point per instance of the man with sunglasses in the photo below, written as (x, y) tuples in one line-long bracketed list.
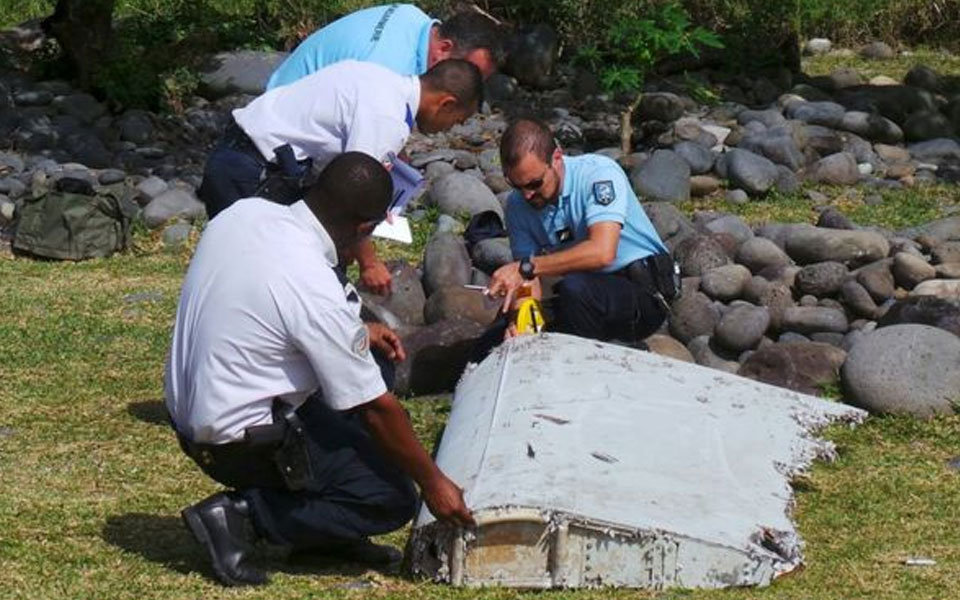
[(578, 218), (274, 388)]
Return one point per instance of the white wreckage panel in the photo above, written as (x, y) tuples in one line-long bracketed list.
[(589, 464)]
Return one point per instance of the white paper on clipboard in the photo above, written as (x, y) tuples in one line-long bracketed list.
[(398, 230)]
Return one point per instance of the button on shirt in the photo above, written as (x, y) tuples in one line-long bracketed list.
[(262, 315), (595, 189), (395, 36), (345, 107)]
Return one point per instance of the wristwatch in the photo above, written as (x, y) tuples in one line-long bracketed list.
[(526, 268)]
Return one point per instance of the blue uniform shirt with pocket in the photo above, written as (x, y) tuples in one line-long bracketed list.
[(396, 36), (595, 190)]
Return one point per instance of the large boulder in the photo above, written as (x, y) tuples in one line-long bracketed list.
[(813, 319), (725, 283), (926, 125), (698, 157), (692, 315), (243, 71), (777, 144), (742, 327), (406, 297), (821, 279), (446, 262), (827, 114), (458, 302), (806, 367), (759, 253), (664, 177), (910, 270), (808, 245), (836, 169), (660, 106), (925, 310), (700, 253), (671, 224), (436, 356), (174, 203), (460, 193), (905, 369)]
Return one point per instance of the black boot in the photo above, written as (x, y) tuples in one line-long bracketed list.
[(220, 523)]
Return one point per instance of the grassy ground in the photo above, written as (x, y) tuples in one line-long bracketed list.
[(93, 480), (941, 61)]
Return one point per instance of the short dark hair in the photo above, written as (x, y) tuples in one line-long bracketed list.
[(457, 77), (526, 136), (469, 31), (358, 183)]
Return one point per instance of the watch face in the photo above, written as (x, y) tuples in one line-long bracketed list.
[(526, 268)]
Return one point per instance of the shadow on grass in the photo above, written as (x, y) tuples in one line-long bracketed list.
[(165, 540), (153, 412), (158, 538)]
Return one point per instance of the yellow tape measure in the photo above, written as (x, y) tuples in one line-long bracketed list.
[(529, 316)]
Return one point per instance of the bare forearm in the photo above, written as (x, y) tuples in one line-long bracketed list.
[(366, 253), (389, 426)]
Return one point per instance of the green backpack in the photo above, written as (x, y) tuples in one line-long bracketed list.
[(74, 222)]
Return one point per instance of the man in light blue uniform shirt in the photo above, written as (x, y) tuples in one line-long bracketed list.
[(577, 217), (400, 37)]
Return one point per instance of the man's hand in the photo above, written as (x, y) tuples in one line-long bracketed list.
[(383, 338), (376, 278), (504, 283), (445, 501)]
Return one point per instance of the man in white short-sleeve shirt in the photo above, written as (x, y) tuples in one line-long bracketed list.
[(348, 106), (274, 390)]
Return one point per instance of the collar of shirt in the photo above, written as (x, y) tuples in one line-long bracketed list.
[(305, 217), (423, 49)]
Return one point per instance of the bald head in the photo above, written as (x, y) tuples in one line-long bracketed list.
[(526, 136)]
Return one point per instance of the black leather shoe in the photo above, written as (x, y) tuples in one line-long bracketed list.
[(220, 523)]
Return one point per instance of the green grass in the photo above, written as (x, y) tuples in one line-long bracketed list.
[(940, 61), (93, 480)]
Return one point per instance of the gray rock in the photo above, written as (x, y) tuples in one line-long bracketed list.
[(942, 229), (946, 289), (692, 315), (709, 355), (777, 144), (742, 327), (458, 302), (832, 218), (700, 253), (406, 300), (490, 254), (821, 279), (755, 288), (671, 225), (906, 370), (150, 188), (936, 150), (436, 356), (239, 71), (751, 172), (910, 270), (807, 245), (925, 310), (777, 297), (704, 185), (725, 283), (731, 224), (829, 337), (173, 203), (436, 170), (877, 280), (926, 125), (83, 107), (836, 169), (135, 126), (423, 159), (446, 262), (759, 253), (822, 140), (923, 77), (459, 193), (664, 177), (8, 211), (817, 46), (797, 364), (698, 157), (532, 55), (873, 127), (660, 106), (32, 98), (858, 299), (770, 117), (811, 319), (843, 78), (737, 196), (176, 235), (111, 176), (828, 114), (86, 148), (877, 51)]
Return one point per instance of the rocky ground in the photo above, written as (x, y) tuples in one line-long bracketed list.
[(807, 306)]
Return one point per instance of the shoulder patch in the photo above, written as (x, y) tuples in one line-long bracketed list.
[(603, 192), (361, 342)]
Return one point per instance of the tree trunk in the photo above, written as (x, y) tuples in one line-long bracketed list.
[(84, 30), (626, 127)]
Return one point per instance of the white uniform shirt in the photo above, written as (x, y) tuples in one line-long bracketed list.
[(347, 106), (263, 315)]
